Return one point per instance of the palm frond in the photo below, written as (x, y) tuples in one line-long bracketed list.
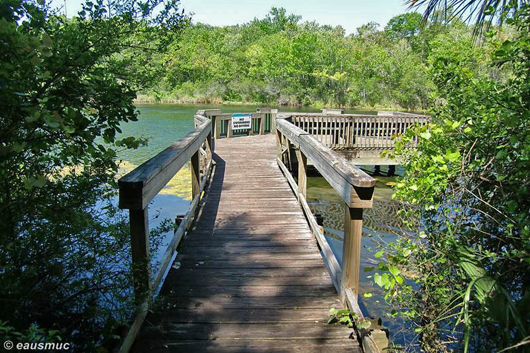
[(482, 12)]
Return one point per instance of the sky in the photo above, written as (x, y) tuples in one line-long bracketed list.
[(350, 14)]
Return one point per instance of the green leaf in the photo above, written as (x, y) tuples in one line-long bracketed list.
[(378, 279), (46, 40), (394, 270), (379, 254), (34, 117), (426, 135), (364, 324)]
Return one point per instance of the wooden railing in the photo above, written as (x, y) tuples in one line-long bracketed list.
[(356, 189), (360, 132), (263, 121), (140, 186)]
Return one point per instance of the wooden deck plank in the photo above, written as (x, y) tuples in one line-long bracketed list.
[(249, 277)]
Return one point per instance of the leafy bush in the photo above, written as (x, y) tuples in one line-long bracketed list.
[(468, 270)]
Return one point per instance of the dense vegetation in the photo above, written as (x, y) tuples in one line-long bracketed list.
[(464, 280), (280, 60), (65, 87)]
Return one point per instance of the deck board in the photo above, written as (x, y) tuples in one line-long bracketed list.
[(249, 277)]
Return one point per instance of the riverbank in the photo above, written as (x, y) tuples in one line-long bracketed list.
[(149, 99)]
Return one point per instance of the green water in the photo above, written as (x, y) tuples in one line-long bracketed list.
[(162, 124)]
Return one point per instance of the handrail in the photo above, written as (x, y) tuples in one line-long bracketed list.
[(139, 187), (352, 184), (263, 121), (357, 131)]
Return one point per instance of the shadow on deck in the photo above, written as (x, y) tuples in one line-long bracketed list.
[(249, 277)]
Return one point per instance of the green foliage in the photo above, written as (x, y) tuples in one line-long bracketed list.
[(348, 318), (65, 88), (467, 270), (483, 12), (279, 60), (404, 26)]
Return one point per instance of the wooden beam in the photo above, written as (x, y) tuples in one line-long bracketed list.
[(179, 233), (351, 254), (141, 185), (195, 175), (139, 225), (302, 173), (329, 258)]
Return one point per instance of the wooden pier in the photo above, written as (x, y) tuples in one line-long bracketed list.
[(251, 278), (254, 272)]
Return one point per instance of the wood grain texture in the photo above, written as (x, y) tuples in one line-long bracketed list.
[(249, 276)]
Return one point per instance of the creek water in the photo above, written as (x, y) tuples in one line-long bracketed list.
[(162, 124)]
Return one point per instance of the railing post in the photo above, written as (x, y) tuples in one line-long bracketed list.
[(279, 145), (195, 175), (262, 124), (210, 145), (252, 121), (139, 225), (274, 113), (351, 251), (302, 173), (213, 115), (229, 127), (214, 129)]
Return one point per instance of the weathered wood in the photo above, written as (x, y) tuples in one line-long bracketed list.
[(302, 330), (327, 254), (179, 233), (141, 185), (364, 143), (139, 225), (302, 173), (250, 249), (351, 254), (133, 331), (195, 174), (352, 184), (307, 345), (138, 188), (234, 316), (222, 301)]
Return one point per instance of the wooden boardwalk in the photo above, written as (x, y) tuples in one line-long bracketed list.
[(249, 277)]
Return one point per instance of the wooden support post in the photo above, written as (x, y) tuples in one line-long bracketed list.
[(214, 130), (139, 224), (250, 131), (274, 112), (229, 129), (302, 174), (209, 146), (217, 127), (195, 175), (351, 254), (262, 124), (279, 145)]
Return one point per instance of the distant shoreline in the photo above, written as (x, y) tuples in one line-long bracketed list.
[(152, 101)]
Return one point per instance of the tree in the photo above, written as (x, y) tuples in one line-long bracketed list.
[(65, 88), (403, 26), (277, 20)]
